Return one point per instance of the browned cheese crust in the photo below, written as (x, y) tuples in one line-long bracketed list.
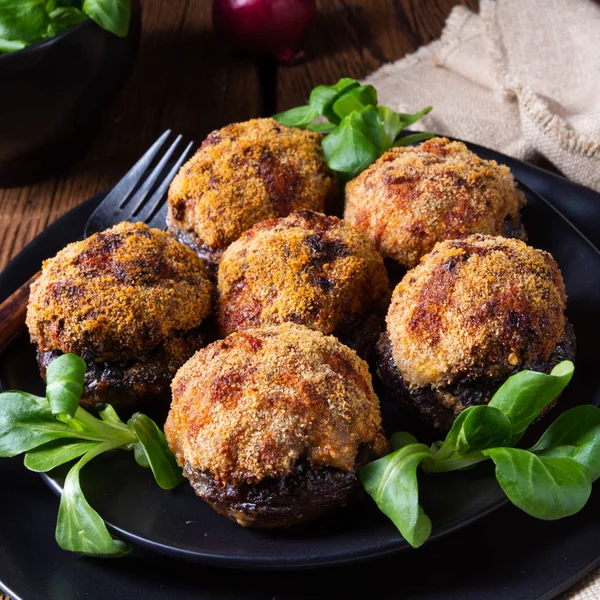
[(476, 307), (118, 294), (246, 173), (253, 405), (307, 268), (413, 197)]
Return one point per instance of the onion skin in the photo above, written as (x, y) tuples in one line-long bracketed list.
[(272, 27)]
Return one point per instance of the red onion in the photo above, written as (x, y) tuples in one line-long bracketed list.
[(265, 26)]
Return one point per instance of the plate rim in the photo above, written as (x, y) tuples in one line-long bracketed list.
[(236, 562)]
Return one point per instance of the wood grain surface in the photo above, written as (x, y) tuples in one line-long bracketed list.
[(187, 79)]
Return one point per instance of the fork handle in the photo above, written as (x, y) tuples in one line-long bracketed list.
[(12, 313)]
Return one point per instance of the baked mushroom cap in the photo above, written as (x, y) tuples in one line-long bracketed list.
[(307, 268), (242, 174), (117, 294), (476, 307), (413, 197), (268, 404), (129, 300)]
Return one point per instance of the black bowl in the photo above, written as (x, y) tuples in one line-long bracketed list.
[(53, 94)]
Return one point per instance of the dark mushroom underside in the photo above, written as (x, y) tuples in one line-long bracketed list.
[(438, 408), (362, 336), (142, 383), (305, 494), (210, 256)]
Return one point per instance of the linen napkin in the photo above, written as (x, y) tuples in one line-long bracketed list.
[(521, 77)]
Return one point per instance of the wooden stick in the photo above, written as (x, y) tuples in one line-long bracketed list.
[(12, 313)]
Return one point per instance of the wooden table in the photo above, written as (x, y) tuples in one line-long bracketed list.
[(187, 79)]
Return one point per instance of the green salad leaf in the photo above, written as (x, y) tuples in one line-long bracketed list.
[(112, 15), (575, 434), (412, 138), (26, 22), (476, 428), (323, 97), (550, 480), (523, 396), (357, 131), (153, 443), (55, 430), (392, 482), (109, 414), (355, 100), (23, 21), (301, 116), (64, 384), (64, 17), (27, 422), (544, 487), (79, 528), (354, 144), (52, 454)]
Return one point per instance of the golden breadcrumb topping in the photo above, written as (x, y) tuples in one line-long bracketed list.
[(475, 307), (118, 293), (254, 404), (307, 268), (413, 197), (246, 173)]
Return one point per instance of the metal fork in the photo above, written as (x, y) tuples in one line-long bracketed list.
[(121, 204), (139, 196)]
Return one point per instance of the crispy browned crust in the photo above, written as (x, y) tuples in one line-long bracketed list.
[(413, 197), (118, 294), (478, 306), (307, 268), (251, 406), (245, 173)]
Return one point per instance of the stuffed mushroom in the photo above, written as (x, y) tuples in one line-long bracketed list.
[(131, 302), (242, 174), (413, 197), (307, 268), (472, 313), (270, 425)]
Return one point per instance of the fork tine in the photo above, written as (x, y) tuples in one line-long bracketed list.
[(130, 206), (104, 214), (158, 220), (147, 212)]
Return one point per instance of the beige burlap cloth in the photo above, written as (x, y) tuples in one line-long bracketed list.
[(521, 77)]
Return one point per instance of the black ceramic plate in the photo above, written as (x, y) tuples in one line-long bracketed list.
[(181, 525), (504, 556), (184, 527)]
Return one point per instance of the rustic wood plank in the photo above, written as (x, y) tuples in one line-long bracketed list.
[(352, 38), (184, 78), (13, 312)]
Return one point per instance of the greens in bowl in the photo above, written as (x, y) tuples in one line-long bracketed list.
[(26, 22)]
